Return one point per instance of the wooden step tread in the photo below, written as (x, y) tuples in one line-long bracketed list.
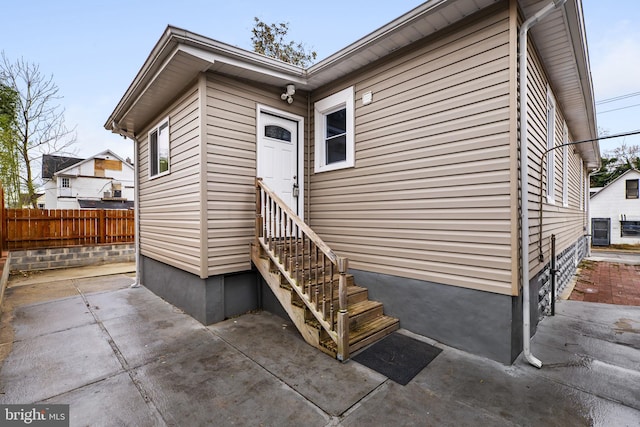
[(362, 306), (366, 334), (364, 331)]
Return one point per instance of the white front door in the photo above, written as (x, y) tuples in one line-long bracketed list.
[(278, 156)]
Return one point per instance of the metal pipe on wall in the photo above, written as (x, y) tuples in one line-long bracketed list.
[(524, 178)]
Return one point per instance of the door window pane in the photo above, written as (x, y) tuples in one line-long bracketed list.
[(277, 132)]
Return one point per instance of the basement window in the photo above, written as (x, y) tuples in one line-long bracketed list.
[(630, 228), (159, 149), (334, 131), (632, 189)]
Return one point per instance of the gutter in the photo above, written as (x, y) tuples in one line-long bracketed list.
[(524, 178), (115, 128)]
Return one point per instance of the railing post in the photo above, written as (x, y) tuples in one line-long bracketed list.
[(259, 218), (343, 314)]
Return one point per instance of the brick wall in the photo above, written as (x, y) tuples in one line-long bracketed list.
[(73, 256)]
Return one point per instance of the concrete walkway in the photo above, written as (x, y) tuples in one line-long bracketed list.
[(123, 356)]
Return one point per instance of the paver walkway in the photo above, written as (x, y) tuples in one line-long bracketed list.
[(607, 282)]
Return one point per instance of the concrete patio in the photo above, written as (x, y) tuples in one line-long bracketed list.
[(123, 356)]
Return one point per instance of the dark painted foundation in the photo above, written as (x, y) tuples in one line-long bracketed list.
[(478, 322), (208, 300)]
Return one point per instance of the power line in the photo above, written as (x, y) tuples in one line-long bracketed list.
[(620, 108), (617, 98)]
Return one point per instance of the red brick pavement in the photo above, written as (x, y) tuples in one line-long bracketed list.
[(607, 282)]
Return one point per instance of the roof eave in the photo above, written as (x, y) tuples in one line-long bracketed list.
[(175, 39)]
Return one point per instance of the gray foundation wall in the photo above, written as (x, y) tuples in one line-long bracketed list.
[(207, 300), (478, 322), (482, 323), (71, 256)]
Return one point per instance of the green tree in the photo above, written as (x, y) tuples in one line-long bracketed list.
[(39, 119), (269, 40), (615, 163), (9, 165)]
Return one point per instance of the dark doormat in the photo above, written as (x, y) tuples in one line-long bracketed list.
[(398, 357)]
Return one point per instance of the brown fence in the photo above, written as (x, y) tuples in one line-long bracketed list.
[(41, 228)]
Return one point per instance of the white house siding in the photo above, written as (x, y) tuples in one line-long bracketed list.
[(611, 202), (430, 195), (569, 223), (231, 107), (170, 204)]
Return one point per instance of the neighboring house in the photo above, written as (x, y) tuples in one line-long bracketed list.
[(103, 181), (25, 201), (615, 211), (594, 190), (400, 151)]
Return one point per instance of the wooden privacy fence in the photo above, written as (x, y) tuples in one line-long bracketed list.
[(41, 228)]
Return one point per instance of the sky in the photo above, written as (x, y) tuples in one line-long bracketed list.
[(94, 48)]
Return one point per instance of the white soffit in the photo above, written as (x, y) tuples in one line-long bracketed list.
[(415, 25), (560, 40)]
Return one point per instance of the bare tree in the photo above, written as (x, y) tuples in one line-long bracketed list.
[(39, 118), (269, 40), (626, 155)]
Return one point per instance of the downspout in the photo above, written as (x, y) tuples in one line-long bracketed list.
[(524, 178), (136, 210), (115, 128)]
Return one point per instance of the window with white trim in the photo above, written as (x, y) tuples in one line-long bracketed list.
[(159, 162), (551, 132), (583, 198), (65, 183), (334, 131), (565, 167)]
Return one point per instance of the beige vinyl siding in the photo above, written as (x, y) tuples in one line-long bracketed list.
[(170, 204), (231, 107), (430, 195), (567, 224)]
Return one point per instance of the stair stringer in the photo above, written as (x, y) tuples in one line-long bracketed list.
[(309, 333)]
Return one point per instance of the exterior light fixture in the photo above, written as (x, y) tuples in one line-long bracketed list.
[(288, 93)]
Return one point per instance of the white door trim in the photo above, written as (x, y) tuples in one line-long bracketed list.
[(261, 108)]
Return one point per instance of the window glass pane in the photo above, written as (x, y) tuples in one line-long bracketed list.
[(153, 155), (336, 149), (163, 147), (632, 188), (630, 228), (277, 132), (337, 123)]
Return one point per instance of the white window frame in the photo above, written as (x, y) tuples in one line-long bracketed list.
[(551, 139), (328, 105), (565, 167), (152, 160), (65, 180), (583, 199)]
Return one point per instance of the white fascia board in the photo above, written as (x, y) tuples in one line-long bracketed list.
[(150, 82), (154, 56), (377, 35), (283, 73)]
